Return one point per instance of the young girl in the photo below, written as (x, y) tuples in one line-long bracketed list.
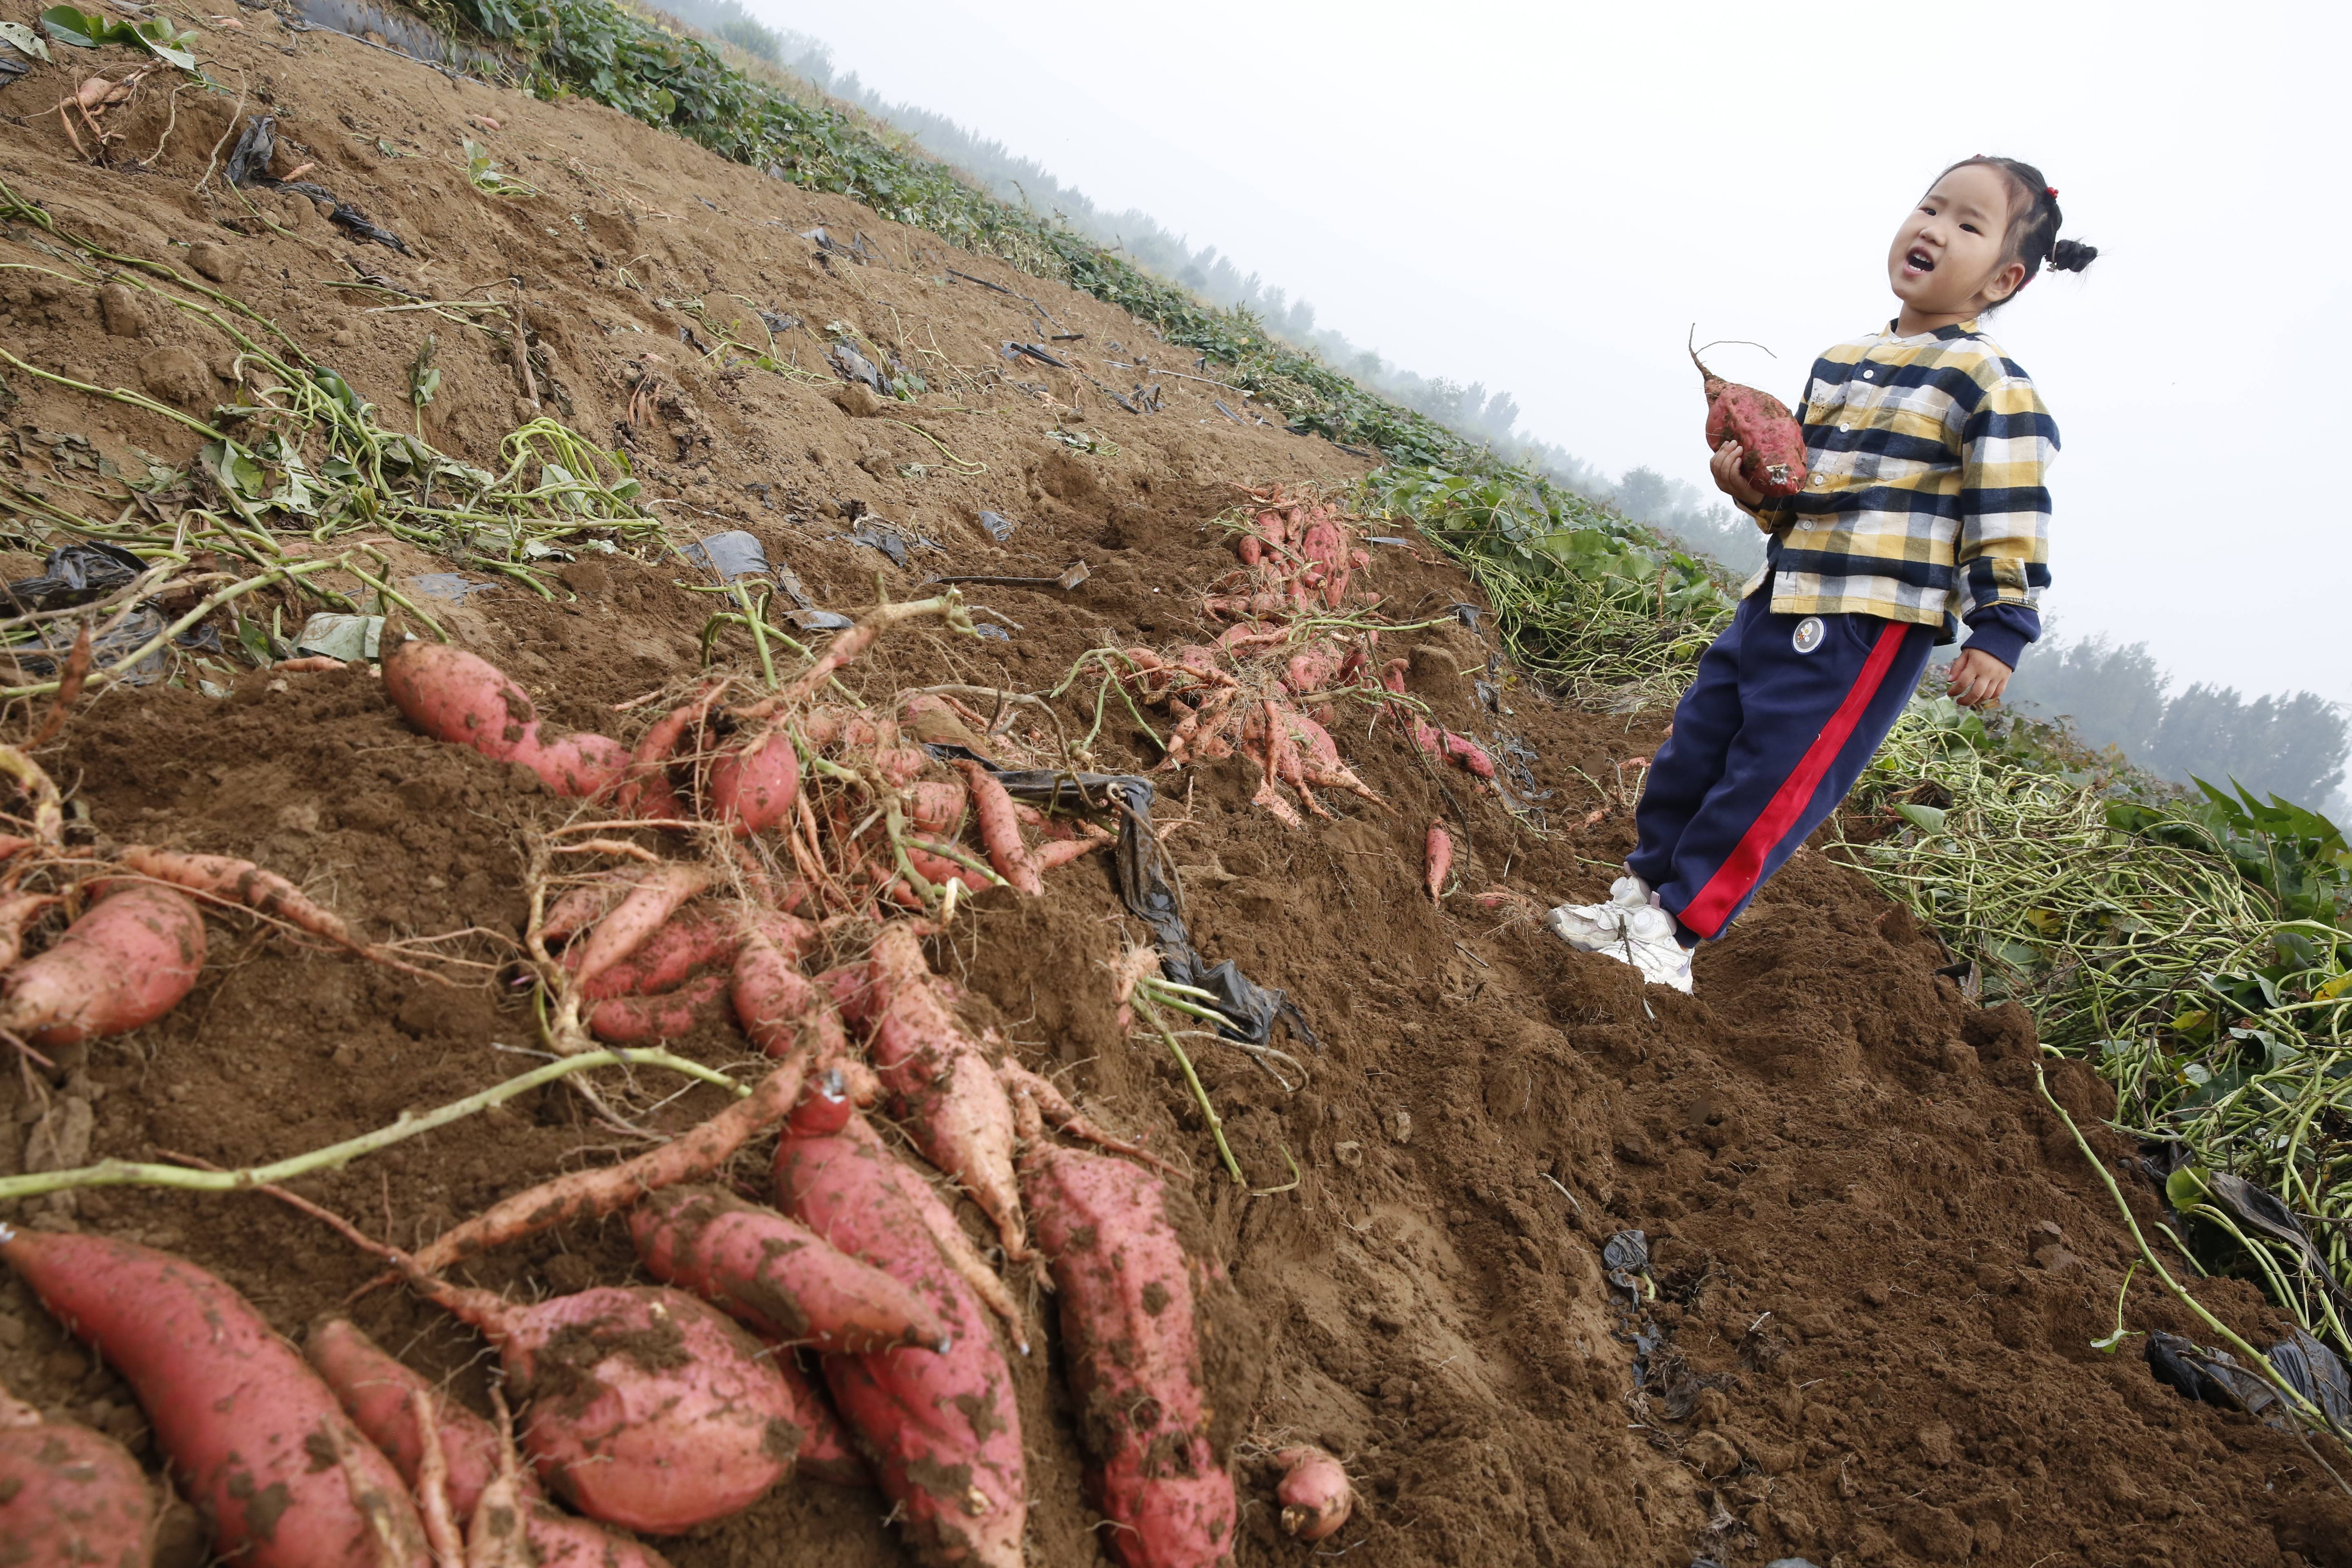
[(1924, 507)]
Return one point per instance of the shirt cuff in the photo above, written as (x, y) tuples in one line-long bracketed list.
[(2002, 631)]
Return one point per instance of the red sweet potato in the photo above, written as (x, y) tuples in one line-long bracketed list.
[(127, 962), (943, 1431), (376, 1389), (999, 829), (1315, 1495), (647, 906), (693, 939), (1438, 860), (70, 1495), (778, 1006), (460, 698), (935, 807), (1130, 1328), (775, 1276), (512, 1526), (940, 1081), (258, 1441), (753, 781), (649, 1409), (1772, 443), (828, 1454), (671, 1015)]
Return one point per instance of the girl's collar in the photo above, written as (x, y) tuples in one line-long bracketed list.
[(1971, 327)]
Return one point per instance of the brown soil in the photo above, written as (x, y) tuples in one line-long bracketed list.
[(1880, 1260)]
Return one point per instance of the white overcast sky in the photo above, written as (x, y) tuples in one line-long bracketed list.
[(1542, 197)]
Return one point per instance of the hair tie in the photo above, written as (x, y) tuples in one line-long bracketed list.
[(2050, 190)]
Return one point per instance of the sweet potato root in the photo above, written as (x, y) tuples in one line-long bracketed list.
[(1130, 1328), (940, 1081), (127, 962), (241, 882), (589, 1194), (1314, 1493), (1437, 860), (775, 1276), (70, 1495), (243, 1420), (943, 1430), (828, 1453)]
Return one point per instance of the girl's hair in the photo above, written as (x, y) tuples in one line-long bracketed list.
[(2033, 222)]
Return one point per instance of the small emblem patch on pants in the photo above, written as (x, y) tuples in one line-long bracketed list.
[(1809, 633)]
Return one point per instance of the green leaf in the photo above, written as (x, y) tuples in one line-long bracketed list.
[(2186, 1187), (71, 25), (24, 40), (1927, 818), (160, 39)]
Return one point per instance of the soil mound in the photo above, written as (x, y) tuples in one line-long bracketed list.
[(1876, 1261)]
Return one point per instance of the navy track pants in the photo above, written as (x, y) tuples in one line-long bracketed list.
[(1785, 714)]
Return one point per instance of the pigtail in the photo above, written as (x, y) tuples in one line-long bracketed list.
[(2071, 255)]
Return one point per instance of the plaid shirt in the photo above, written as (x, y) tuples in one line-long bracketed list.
[(1924, 501)]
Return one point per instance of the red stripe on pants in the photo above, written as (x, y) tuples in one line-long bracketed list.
[(1734, 878)]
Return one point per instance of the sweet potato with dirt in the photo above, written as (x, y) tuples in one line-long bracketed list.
[(779, 1008), (999, 829), (943, 1431), (939, 1079), (467, 700), (1437, 858), (1314, 1493), (377, 1390), (258, 1441), (1772, 444), (127, 962), (644, 909), (693, 939), (671, 1015), (240, 882), (648, 1408), (828, 1453), (70, 1495), (1130, 1328), (753, 781), (775, 1276)]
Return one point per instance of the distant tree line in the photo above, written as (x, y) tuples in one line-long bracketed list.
[(2292, 746)]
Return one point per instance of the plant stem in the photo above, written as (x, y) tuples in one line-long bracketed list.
[(132, 1174)]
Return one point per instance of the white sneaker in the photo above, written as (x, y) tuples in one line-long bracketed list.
[(1591, 927), (1631, 929)]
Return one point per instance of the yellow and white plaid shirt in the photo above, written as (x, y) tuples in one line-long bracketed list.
[(1925, 502)]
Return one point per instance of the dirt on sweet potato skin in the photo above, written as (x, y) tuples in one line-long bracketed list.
[(1881, 1261)]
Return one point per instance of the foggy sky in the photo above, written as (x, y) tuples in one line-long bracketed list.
[(1543, 198)]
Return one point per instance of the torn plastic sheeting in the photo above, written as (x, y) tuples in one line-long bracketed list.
[(2306, 1366), (730, 555), (1000, 527), (451, 586), (40, 656), (348, 638), (1250, 1009), (74, 575), (248, 165), (856, 366)]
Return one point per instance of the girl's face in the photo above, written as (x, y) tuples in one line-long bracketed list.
[(1945, 263)]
